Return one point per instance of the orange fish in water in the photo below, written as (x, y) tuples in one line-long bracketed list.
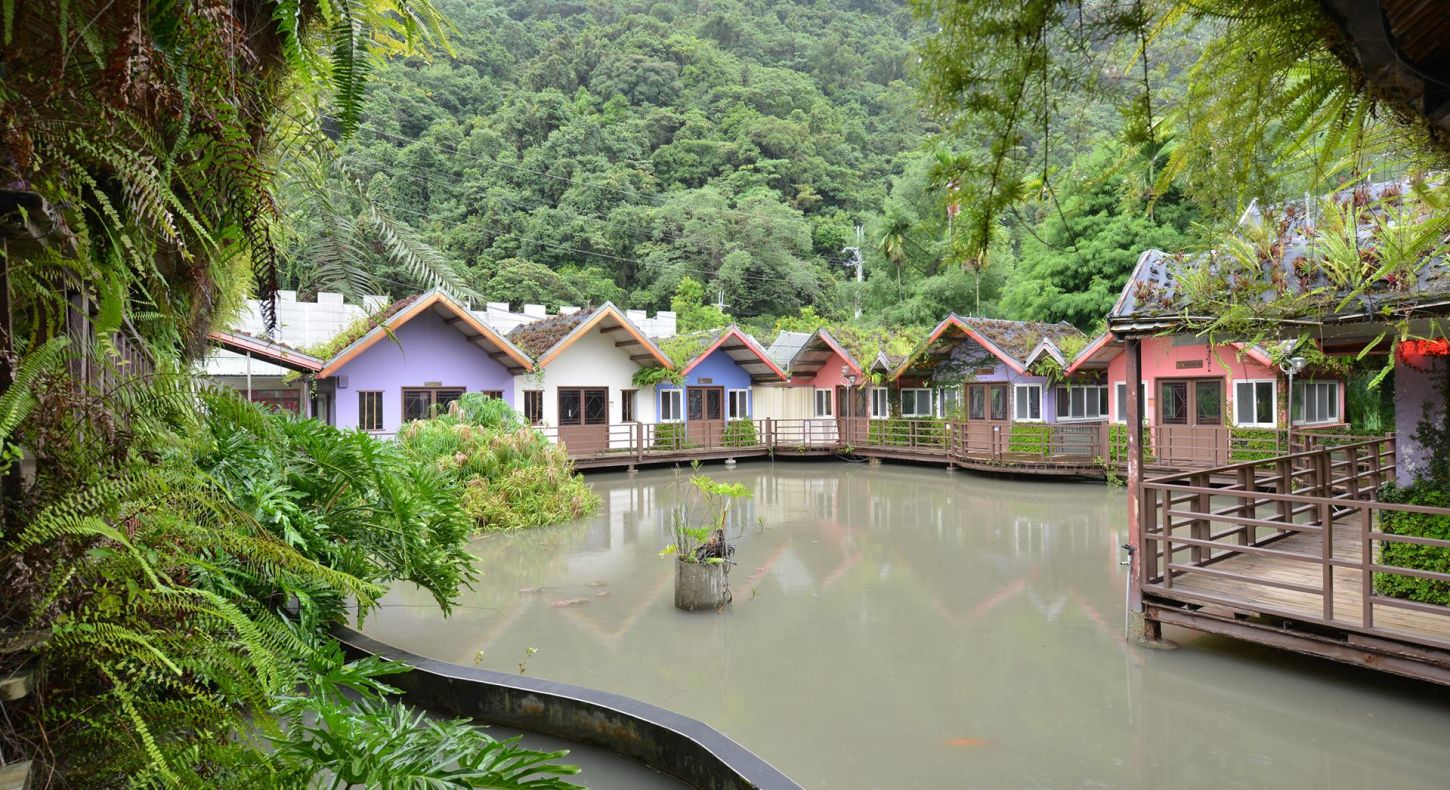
[(967, 742)]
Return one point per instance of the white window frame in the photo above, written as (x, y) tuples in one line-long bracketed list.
[(678, 409), (916, 402), (829, 401), (1273, 400), (730, 411), (1016, 417), (1120, 404), (941, 398), (880, 396), (1066, 391), (1336, 401)]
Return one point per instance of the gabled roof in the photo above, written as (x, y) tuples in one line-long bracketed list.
[(548, 338), (266, 350), (744, 351), (454, 314), (1279, 254), (1045, 347), (785, 346), (818, 347), (1105, 347), (1009, 341)]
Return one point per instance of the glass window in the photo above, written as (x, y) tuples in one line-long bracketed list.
[(1120, 411), (825, 402), (738, 404), (880, 403), (1316, 402), (976, 403), (1082, 402), (596, 407), (493, 394), (1028, 402), (1208, 402), (951, 402), (1173, 402), (534, 406), (370, 411), (420, 403), (670, 406), (916, 403), (1254, 403), (626, 405)]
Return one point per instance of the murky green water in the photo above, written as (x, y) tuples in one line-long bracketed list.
[(911, 627)]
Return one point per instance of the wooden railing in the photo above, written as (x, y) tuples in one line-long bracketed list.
[(1299, 536)]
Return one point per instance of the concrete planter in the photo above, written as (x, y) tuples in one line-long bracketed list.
[(701, 586)]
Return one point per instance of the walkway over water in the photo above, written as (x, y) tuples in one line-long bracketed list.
[(1089, 449), (1288, 553)]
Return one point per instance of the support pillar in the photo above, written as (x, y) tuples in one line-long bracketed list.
[(1140, 628)]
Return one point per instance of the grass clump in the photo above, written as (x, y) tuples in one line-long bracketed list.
[(512, 477)]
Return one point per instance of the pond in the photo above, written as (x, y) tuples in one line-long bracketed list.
[(899, 626)]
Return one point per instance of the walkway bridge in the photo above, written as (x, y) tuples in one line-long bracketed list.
[(1292, 552)]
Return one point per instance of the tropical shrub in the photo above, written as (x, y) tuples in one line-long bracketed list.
[(1409, 555), (1029, 438), (1118, 444), (670, 436), (904, 432), (740, 433), (510, 475), (1254, 444)]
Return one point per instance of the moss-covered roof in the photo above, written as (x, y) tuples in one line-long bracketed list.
[(537, 337), (1018, 338), (354, 332)]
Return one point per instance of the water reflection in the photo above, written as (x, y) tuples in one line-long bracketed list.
[(911, 627)]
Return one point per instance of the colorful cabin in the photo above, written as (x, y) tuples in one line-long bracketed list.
[(1195, 394), (583, 384), (717, 383), (422, 354), (977, 369)]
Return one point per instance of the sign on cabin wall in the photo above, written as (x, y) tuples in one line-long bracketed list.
[(1426, 348), (707, 381), (1189, 364)]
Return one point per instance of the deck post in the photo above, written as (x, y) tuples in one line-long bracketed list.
[(1140, 629)]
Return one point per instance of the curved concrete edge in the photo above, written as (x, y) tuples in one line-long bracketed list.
[(687, 749)]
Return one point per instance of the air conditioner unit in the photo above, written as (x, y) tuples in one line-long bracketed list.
[(342, 382)]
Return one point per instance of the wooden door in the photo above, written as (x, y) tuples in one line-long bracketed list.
[(705, 415), (584, 419), (853, 416), (986, 430), (1190, 423)]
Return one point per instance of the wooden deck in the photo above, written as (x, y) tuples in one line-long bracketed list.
[(1286, 552)]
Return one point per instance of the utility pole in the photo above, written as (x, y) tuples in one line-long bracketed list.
[(720, 301), (855, 261)]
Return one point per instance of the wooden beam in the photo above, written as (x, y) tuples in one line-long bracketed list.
[(638, 357), (623, 343), (454, 320), (618, 328)]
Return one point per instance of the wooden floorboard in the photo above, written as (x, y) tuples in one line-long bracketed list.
[(1424, 627)]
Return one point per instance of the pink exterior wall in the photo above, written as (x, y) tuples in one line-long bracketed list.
[(828, 376), (1416, 380), (1160, 361)]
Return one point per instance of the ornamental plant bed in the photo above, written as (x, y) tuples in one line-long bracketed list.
[(701, 547), (1412, 556)]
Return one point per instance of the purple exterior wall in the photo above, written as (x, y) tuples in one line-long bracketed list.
[(426, 350), (973, 356), (1417, 381), (718, 370)]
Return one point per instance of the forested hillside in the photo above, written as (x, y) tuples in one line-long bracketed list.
[(577, 152)]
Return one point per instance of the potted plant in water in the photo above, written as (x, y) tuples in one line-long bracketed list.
[(701, 547)]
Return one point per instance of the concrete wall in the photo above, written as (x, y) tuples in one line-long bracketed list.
[(591, 361), (426, 350), (1417, 382), (715, 370)]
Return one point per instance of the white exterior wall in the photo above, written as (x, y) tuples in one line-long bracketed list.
[(591, 361)]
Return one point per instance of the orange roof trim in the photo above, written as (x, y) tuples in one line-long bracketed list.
[(606, 310), (417, 308)]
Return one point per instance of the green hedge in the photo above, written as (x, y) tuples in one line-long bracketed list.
[(1029, 438), (896, 432), (1409, 555), (670, 436), (1118, 444), (1254, 444), (740, 433)]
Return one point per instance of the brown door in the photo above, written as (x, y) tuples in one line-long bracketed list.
[(584, 419), (987, 421), (705, 415), (853, 416), (1190, 422)]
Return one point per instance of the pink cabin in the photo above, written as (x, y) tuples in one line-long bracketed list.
[(1198, 397), (824, 386)]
